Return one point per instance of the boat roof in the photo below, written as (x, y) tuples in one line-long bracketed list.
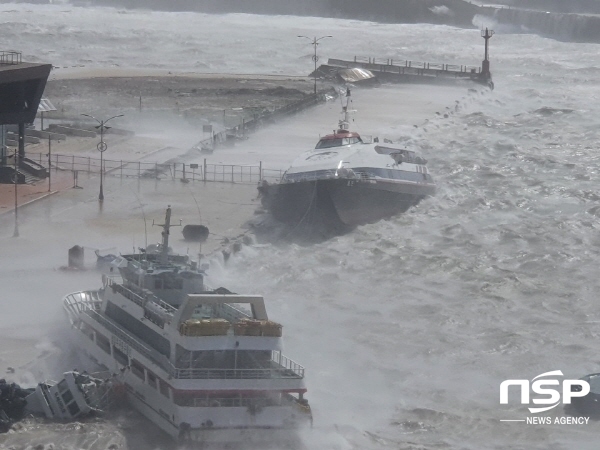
[(186, 310)]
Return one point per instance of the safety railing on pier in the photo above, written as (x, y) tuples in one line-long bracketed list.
[(228, 173), (231, 173), (405, 67), (240, 131), (8, 57), (416, 64)]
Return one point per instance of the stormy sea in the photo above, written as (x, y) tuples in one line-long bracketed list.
[(407, 327)]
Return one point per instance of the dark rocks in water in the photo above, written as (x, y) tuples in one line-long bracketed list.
[(195, 233), (12, 404)]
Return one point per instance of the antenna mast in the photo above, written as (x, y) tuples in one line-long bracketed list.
[(164, 251), (344, 123)]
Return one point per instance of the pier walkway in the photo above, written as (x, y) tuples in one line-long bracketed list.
[(401, 71)]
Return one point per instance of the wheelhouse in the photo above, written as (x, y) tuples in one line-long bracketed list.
[(338, 139)]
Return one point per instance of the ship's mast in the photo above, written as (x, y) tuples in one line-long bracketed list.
[(164, 251), (164, 254), (344, 123)]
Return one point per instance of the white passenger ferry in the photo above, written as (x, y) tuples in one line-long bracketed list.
[(348, 180), (203, 365)]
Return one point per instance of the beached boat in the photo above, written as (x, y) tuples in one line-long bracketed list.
[(204, 365), (75, 396), (348, 180)]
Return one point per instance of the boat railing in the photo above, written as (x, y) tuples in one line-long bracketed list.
[(236, 374), (164, 305), (148, 352), (139, 299), (10, 57), (77, 302), (281, 366), (204, 402), (287, 363), (361, 175)]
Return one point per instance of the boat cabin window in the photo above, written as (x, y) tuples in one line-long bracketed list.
[(120, 356), (67, 396), (337, 142), (164, 388), (168, 283), (103, 342), (226, 399), (139, 328), (151, 379), (73, 409), (204, 312), (87, 330), (137, 369), (399, 155), (63, 386), (229, 311)]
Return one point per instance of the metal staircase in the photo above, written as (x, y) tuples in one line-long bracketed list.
[(29, 178)]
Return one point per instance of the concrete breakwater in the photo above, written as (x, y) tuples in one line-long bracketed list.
[(228, 136), (393, 71)]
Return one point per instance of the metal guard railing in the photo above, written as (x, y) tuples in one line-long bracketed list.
[(281, 366), (138, 299), (8, 57)]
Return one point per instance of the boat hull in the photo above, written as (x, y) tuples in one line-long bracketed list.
[(342, 203)]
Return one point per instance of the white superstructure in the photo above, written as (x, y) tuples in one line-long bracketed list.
[(203, 366)]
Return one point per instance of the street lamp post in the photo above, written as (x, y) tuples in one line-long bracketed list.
[(16, 182), (315, 41), (102, 146)]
